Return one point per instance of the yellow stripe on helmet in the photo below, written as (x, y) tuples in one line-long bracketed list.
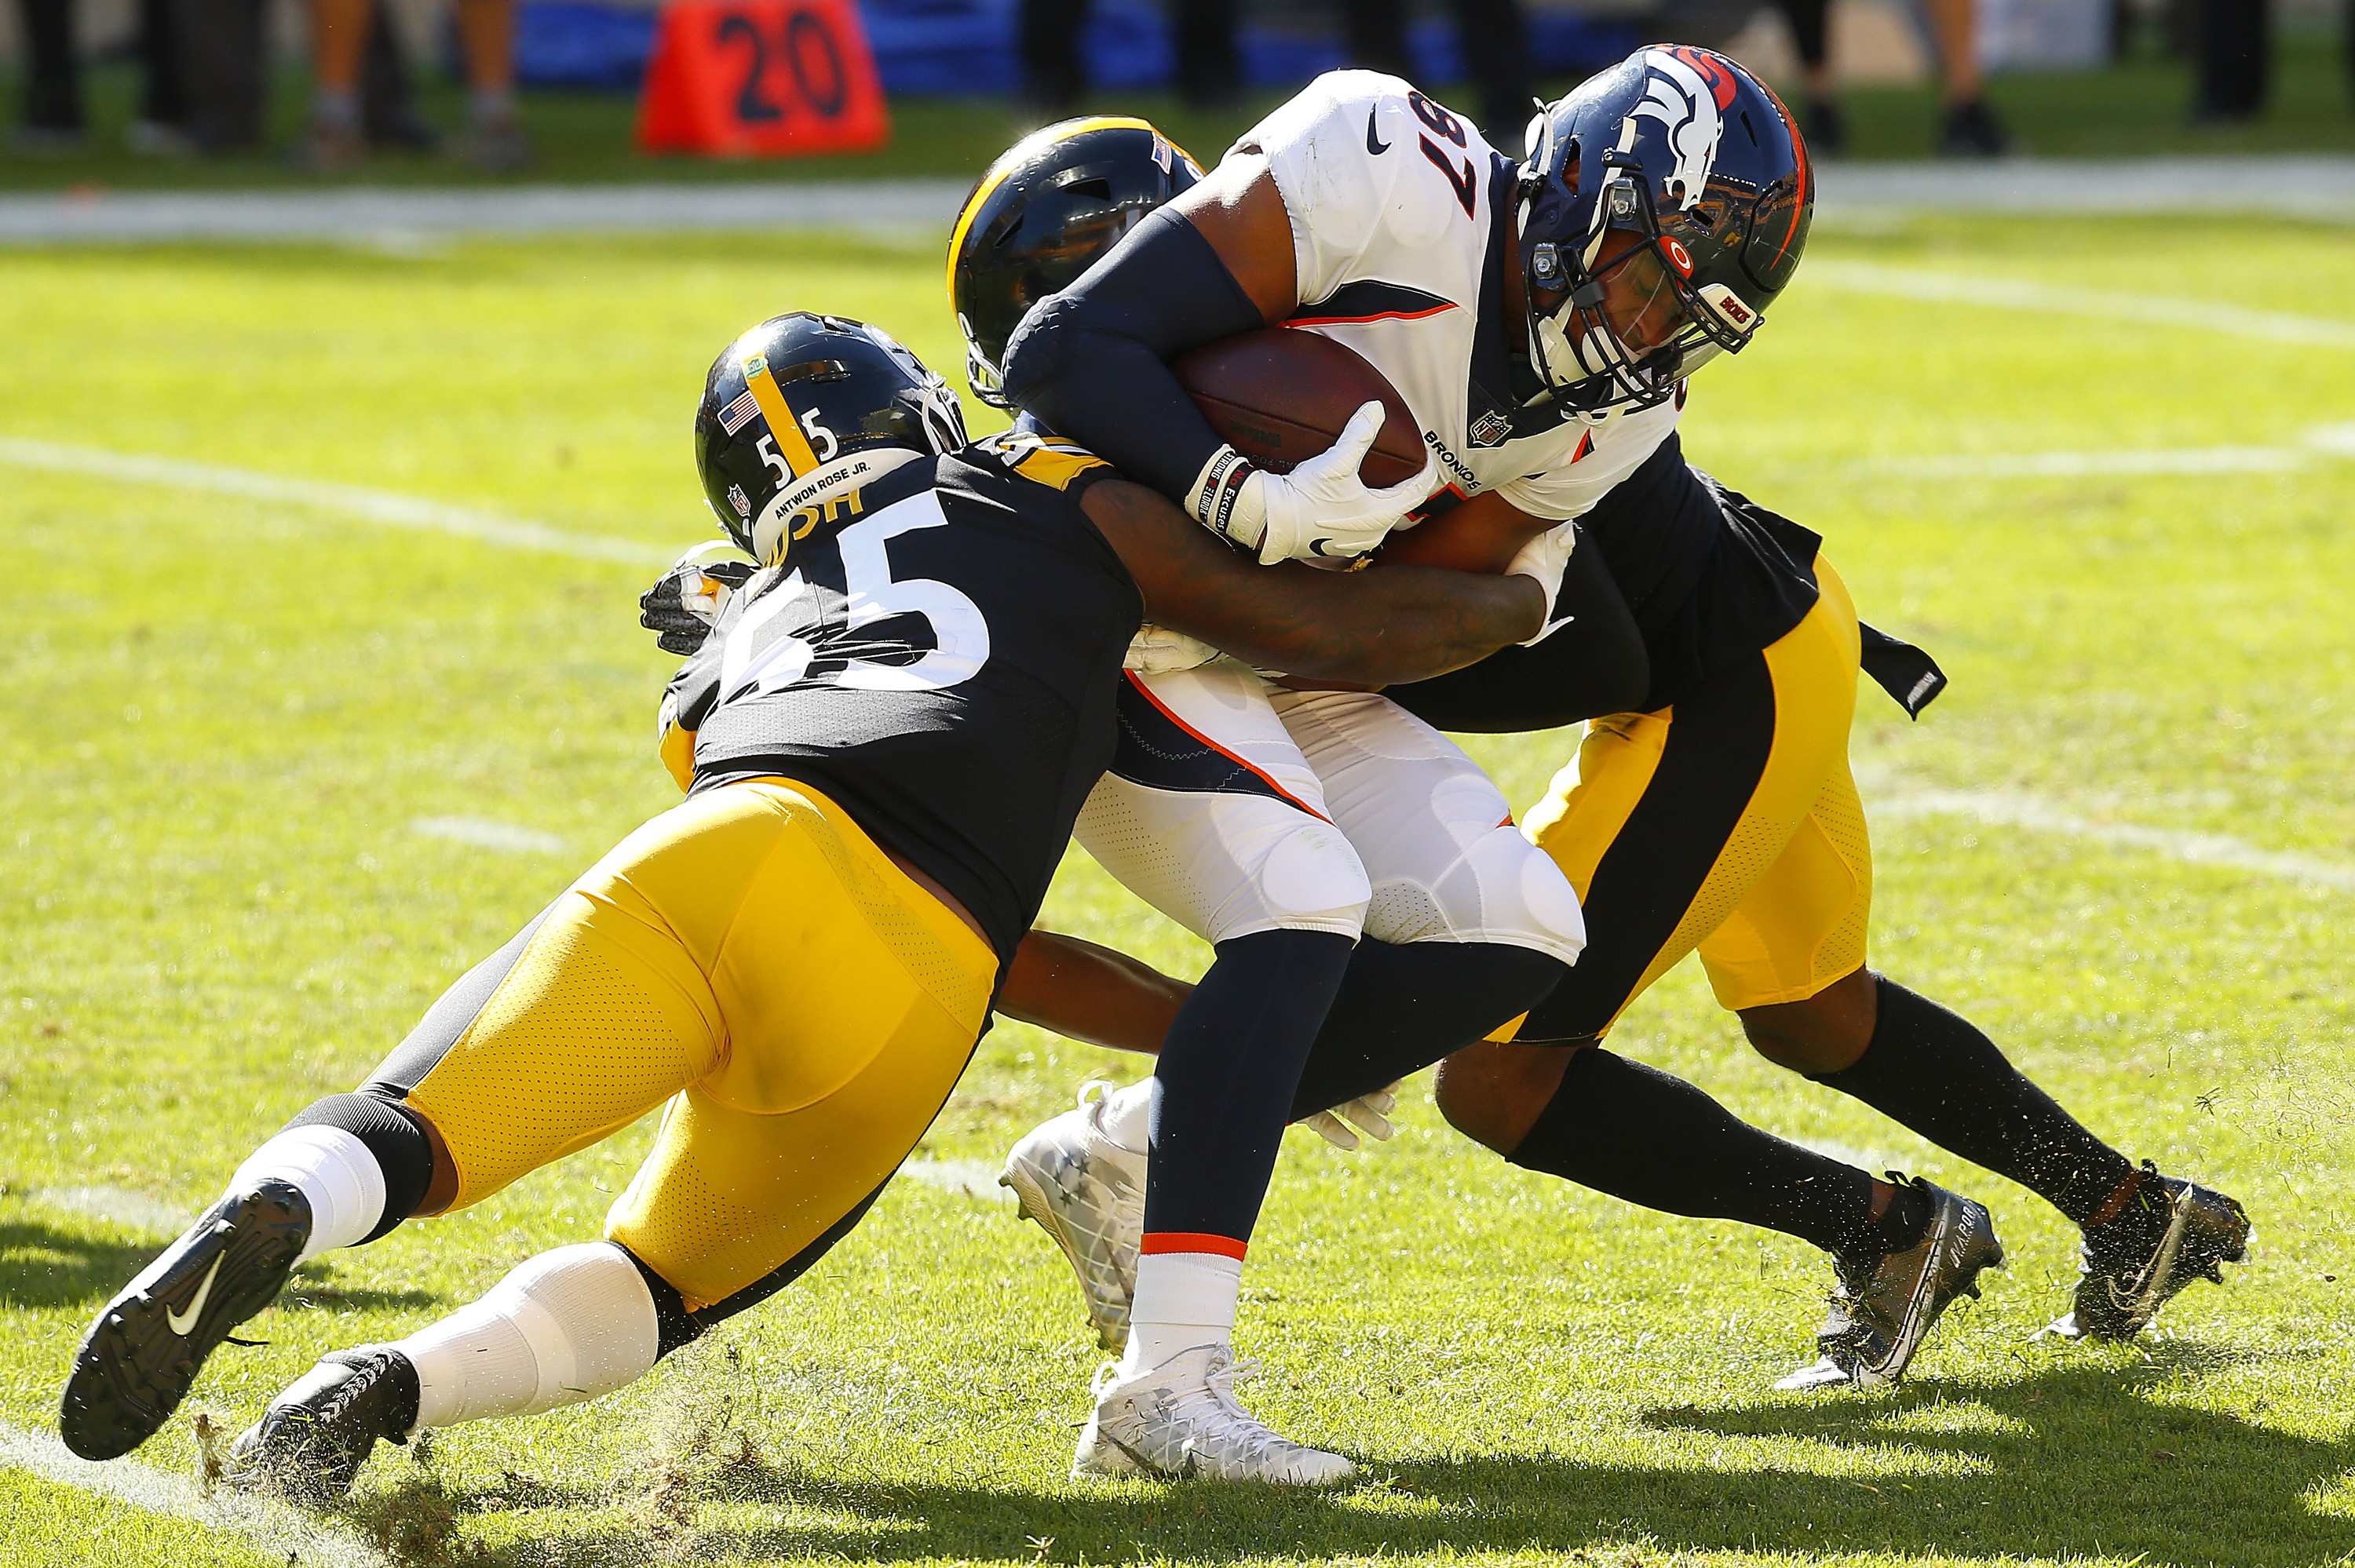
[(998, 172), (792, 443)]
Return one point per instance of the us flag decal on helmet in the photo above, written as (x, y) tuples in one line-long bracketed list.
[(737, 415)]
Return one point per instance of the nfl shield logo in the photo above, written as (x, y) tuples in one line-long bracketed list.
[(1490, 429)]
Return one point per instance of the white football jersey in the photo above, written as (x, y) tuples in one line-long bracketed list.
[(1395, 205)]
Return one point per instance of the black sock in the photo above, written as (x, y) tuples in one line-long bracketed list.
[(1933, 1071), (1638, 1134), (1224, 1084), (392, 1134), (1403, 1006)]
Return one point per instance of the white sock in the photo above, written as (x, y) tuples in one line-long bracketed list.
[(332, 1170), (1127, 1116), (1183, 1300), (563, 1327)]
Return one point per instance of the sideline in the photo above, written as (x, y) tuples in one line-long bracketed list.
[(2318, 187), (274, 1527), (386, 215)]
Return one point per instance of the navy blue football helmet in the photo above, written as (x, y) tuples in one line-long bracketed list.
[(1663, 205)]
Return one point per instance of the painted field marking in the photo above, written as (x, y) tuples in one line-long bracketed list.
[(485, 834), (2004, 809), (2018, 294), (134, 1211), (275, 1528), (2330, 442), (383, 506)]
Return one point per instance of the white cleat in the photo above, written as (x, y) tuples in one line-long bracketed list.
[(1089, 1193), (1180, 1421)]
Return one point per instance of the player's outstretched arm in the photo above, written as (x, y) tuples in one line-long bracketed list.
[(1369, 628)]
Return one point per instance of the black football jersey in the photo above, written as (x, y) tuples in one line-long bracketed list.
[(939, 655)]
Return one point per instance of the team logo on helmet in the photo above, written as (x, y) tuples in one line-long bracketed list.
[(1687, 91)]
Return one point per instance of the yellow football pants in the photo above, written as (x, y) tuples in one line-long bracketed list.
[(1730, 823), (753, 959)]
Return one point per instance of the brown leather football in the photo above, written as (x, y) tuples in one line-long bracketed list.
[(1280, 395)]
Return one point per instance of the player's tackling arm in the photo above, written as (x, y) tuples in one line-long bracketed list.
[(1372, 628)]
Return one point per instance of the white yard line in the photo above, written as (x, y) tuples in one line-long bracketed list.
[(2336, 441), (382, 506), (362, 215), (271, 1526), (2100, 304), (483, 833), (2004, 809)]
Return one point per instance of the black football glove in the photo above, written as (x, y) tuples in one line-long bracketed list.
[(686, 601)]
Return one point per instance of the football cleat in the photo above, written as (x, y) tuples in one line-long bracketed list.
[(1884, 1305), (1180, 1421), (138, 1359), (2129, 1273), (310, 1444), (1088, 1192)]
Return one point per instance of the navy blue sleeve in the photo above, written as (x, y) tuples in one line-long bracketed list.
[(1092, 362)]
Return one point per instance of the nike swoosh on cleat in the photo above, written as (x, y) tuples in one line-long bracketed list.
[(1373, 146), (180, 1323)]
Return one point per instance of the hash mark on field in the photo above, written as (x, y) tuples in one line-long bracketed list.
[(484, 833), (268, 1524), (2020, 294), (2001, 809), (389, 508)]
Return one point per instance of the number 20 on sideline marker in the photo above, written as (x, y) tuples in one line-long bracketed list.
[(736, 79)]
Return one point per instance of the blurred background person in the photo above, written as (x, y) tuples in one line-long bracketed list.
[(224, 46), (2232, 58), (340, 34), (1969, 127), (1495, 55), (1055, 74), (52, 116)]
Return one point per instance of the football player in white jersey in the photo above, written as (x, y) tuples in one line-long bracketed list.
[(1352, 869), (1541, 319)]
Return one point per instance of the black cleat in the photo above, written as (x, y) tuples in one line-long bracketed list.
[(138, 1359), (2135, 1265), (1885, 1304), (310, 1444)]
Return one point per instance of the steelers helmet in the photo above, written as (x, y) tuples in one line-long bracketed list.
[(804, 408), (1663, 205), (1052, 203)]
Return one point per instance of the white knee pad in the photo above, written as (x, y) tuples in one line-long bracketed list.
[(1437, 837), (1225, 865), (561, 1328)]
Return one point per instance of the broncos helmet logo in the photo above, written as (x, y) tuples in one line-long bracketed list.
[(1687, 91)]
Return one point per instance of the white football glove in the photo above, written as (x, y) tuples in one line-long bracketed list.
[(1156, 651), (687, 600), (1370, 1112), (1544, 560), (1321, 509)]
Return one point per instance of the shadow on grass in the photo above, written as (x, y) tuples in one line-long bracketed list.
[(2063, 1463), (45, 1266)]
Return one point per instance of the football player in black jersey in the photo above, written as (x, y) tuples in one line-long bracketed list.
[(883, 745), (1659, 210)]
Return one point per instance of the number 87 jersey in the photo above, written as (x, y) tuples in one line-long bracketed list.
[(1400, 214), (937, 652)]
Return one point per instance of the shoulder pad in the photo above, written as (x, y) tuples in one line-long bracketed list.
[(1050, 461)]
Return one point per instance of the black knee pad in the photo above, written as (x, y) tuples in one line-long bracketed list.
[(394, 1134)]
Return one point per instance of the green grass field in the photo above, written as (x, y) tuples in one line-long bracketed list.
[(224, 718)]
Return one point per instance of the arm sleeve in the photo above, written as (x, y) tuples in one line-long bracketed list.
[(1092, 362)]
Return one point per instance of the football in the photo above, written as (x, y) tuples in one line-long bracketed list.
[(1280, 396)]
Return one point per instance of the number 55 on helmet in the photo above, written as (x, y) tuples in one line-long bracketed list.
[(803, 410)]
